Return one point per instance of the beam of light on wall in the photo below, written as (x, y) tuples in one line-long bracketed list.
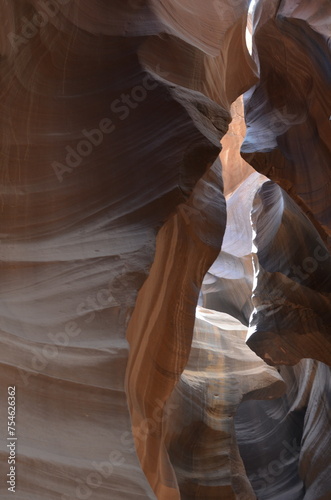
[(249, 26)]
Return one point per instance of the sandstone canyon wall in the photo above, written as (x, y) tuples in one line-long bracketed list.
[(165, 310)]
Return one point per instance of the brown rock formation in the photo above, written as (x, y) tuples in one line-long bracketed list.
[(99, 145), (287, 113), (220, 373), (292, 296), (111, 118)]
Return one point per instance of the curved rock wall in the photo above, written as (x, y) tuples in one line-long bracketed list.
[(110, 126), (287, 113)]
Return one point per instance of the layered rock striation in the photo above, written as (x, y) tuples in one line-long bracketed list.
[(117, 217)]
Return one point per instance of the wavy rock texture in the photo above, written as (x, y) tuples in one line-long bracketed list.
[(227, 287), (276, 437), (285, 299), (287, 113), (101, 140), (220, 373), (160, 330), (292, 295), (284, 442), (111, 119)]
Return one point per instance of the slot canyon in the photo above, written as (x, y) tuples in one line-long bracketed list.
[(165, 250)]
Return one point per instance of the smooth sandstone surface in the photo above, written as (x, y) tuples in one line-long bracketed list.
[(117, 217)]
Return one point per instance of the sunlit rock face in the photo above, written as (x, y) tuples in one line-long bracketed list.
[(288, 112), (221, 372), (160, 330), (292, 293), (118, 217), (102, 136)]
